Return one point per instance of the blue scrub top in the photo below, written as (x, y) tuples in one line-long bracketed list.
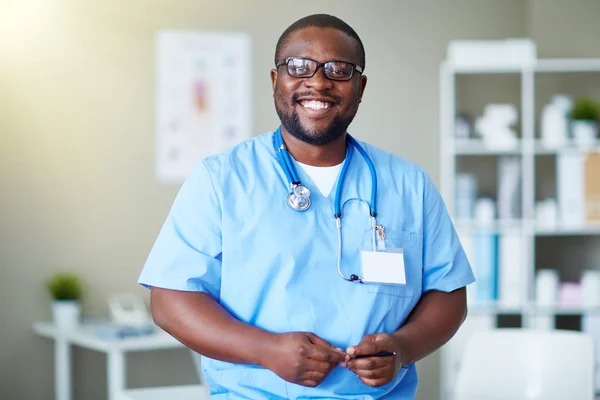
[(231, 234)]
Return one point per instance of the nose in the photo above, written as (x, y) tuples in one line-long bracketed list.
[(319, 81)]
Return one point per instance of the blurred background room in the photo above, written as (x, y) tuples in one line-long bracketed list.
[(498, 100)]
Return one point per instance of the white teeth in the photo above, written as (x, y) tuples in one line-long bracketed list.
[(315, 105)]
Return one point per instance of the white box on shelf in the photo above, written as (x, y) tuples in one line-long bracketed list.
[(547, 284), (570, 188), (590, 289), (485, 265), (509, 187), (466, 194), (510, 270)]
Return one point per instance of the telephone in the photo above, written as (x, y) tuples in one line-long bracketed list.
[(128, 310)]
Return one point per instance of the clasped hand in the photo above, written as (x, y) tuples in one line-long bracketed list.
[(303, 358), (306, 359), (374, 371)]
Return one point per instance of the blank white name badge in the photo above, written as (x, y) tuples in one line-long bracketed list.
[(383, 266)]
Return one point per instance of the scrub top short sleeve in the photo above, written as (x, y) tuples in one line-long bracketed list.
[(445, 264), (187, 253)]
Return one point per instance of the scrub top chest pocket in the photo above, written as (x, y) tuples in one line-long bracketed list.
[(394, 268)]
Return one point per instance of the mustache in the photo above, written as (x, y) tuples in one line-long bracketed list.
[(334, 99)]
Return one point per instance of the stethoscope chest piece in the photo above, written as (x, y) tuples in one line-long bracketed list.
[(299, 198)]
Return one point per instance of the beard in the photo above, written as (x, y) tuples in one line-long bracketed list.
[(291, 122)]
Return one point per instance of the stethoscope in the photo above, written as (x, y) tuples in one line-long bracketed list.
[(299, 196)]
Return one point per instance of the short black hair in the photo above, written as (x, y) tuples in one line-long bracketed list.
[(320, 21)]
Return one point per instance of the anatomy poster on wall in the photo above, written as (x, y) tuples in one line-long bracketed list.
[(203, 98)]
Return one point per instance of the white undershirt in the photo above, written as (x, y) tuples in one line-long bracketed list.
[(322, 177)]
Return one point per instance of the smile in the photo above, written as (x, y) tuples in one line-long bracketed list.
[(315, 104)]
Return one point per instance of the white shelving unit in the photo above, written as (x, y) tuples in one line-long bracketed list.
[(527, 148)]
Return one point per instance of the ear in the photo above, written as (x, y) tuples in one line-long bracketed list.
[(273, 79), (362, 85)]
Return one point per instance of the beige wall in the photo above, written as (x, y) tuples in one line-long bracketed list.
[(77, 139)]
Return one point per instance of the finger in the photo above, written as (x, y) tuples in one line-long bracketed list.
[(309, 383), (375, 382), (316, 376), (318, 366), (321, 353), (371, 362), (376, 373)]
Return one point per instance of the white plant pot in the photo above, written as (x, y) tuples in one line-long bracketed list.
[(66, 314), (585, 132)]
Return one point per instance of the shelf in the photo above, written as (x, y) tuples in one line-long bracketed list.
[(478, 147), (569, 147), (493, 308), (568, 65), (590, 229), (503, 226), (472, 155), (540, 65), (531, 309), (564, 310), (488, 69)]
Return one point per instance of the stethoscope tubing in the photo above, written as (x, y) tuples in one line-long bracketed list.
[(288, 166), (293, 179), (338, 194), (373, 204)]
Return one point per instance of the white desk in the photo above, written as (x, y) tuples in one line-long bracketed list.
[(115, 350)]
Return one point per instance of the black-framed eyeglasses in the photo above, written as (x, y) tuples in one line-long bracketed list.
[(300, 67)]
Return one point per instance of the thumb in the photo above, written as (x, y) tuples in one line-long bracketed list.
[(368, 345)]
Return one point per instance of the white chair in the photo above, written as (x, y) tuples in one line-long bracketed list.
[(520, 364), (184, 392)]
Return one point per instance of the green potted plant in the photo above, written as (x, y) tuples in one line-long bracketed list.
[(585, 115), (65, 289)]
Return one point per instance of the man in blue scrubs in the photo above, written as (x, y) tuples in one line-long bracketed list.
[(255, 287)]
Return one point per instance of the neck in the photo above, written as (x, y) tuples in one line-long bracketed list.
[(326, 155)]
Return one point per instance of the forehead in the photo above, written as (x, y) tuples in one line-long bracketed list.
[(321, 44)]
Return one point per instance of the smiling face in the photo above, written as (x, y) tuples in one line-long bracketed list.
[(317, 110)]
